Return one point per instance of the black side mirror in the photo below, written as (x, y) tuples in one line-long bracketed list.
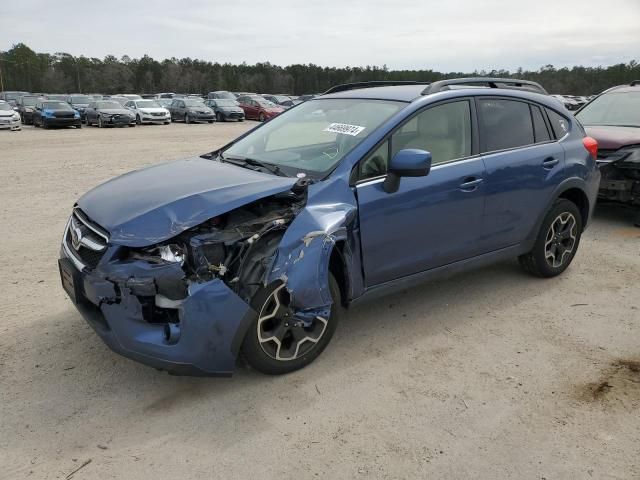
[(409, 162)]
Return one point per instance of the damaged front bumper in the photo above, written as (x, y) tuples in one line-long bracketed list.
[(200, 334)]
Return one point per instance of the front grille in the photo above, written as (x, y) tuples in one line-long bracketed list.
[(158, 114), (63, 114), (85, 240)]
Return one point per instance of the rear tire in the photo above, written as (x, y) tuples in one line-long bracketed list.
[(297, 346), (557, 241), (219, 117), (187, 118)]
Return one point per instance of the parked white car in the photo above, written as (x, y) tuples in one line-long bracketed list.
[(148, 111), (9, 118)]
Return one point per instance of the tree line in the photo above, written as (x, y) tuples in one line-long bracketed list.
[(21, 68)]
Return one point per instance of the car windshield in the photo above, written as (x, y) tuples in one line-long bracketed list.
[(314, 137), (57, 105), (5, 106), (107, 105), (147, 104), (29, 101), (192, 102), (266, 104), (57, 97), (13, 95), (81, 99), (621, 109), (227, 95), (223, 102)]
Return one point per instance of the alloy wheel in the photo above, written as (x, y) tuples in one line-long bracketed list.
[(281, 335), (560, 240)]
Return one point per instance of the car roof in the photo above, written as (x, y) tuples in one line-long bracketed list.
[(403, 93), (624, 89), (410, 93)]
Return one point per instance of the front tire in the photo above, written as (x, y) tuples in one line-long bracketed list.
[(557, 241), (187, 118), (219, 117), (277, 342), (138, 120), (261, 117), (100, 123)]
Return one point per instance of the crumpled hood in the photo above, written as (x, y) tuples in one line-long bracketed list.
[(611, 137), (148, 206)]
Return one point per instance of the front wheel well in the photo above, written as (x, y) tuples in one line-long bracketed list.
[(579, 198), (339, 271)]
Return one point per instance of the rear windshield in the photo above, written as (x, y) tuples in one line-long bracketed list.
[(613, 108), (192, 102), (57, 97)]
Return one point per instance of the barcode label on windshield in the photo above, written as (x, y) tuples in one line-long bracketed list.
[(344, 128)]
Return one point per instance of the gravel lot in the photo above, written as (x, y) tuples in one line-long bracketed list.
[(491, 374)]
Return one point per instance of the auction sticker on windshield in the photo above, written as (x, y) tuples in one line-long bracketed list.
[(344, 128)]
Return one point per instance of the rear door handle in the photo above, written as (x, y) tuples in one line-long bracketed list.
[(550, 162), (470, 184)]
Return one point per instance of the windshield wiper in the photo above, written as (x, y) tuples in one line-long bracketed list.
[(255, 163)]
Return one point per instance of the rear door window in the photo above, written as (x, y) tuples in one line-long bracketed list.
[(506, 124)]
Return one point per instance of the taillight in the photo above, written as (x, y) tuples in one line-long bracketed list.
[(591, 144)]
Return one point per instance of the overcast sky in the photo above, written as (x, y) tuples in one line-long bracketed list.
[(444, 35)]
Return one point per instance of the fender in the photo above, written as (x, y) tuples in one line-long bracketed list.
[(303, 256), (566, 184)]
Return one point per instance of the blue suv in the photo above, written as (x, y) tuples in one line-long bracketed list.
[(259, 247)]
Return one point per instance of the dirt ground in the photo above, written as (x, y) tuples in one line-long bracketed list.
[(490, 374)]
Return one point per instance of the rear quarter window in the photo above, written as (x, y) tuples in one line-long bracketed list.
[(559, 124)]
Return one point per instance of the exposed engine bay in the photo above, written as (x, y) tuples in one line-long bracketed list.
[(236, 247), (620, 171)]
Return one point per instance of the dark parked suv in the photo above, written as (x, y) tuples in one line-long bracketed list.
[(260, 246), (613, 119)]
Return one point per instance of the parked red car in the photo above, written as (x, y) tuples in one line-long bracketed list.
[(257, 108), (613, 119)]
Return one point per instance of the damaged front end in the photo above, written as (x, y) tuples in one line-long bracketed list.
[(182, 305), (620, 171)]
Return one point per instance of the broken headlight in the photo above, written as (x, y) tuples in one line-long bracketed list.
[(171, 253)]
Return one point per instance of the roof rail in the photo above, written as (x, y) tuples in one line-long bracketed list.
[(634, 83), (511, 83), (373, 83)]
